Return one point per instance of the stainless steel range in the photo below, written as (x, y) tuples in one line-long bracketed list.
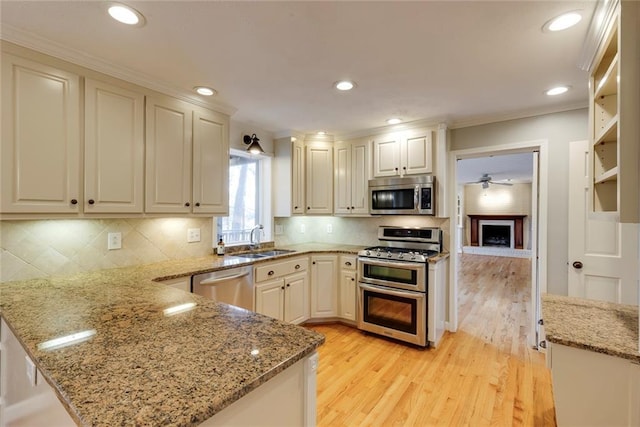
[(393, 282)]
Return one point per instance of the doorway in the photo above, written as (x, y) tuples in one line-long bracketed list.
[(536, 241)]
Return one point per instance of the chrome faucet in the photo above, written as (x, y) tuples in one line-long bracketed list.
[(255, 244)]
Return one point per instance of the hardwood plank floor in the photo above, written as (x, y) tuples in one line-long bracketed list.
[(484, 374)]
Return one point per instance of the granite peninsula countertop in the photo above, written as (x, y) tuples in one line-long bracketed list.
[(141, 366), (597, 326)]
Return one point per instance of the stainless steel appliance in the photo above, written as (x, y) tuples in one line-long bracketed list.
[(403, 196), (393, 283), (233, 286)]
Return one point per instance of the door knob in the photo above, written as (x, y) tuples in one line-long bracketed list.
[(577, 264)]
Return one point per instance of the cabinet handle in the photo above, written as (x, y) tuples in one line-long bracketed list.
[(271, 273), (348, 263), (187, 204), (91, 201), (74, 201), (197, 204), (297, 267)]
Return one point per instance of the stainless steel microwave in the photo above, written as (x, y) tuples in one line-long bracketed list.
[(403, 196)]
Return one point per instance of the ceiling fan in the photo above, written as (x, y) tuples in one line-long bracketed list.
[(485, 180)]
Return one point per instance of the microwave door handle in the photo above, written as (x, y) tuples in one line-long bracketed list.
[(416, 198)]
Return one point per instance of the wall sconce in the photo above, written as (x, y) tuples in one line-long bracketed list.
[(253, 144)]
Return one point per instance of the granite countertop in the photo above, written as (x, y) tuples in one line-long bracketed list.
[(597, 326), (139, 365)]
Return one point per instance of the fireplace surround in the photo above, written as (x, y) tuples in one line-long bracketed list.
[(517, 238)]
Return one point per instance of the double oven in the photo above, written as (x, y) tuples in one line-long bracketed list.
[(393, 283)]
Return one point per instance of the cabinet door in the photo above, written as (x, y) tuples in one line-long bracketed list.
[(168, 150), (319, 174), (114, 149), (386, 157), (298, 177), (324, 286), (348, 289), (360, 175), (40, 138), (417, 154), (296, 298), (342, 178), (269, 299), (210, 163)]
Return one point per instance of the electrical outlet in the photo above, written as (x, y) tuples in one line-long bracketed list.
[(279, 229), (303, 228), (193, 235), (114, 241), (329, 228)]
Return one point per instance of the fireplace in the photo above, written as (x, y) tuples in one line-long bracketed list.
[(493, 230), (496, 233)]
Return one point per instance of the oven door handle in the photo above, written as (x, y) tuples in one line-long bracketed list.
[(386, 263), (387, 291)]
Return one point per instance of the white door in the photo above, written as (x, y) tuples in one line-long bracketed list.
[(296, 298), (603, 254)]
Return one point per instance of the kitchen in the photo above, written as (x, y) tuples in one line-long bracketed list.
[(154, 240)]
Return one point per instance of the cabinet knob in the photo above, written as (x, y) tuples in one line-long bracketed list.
[(282, 288), (396, 169), (353, 280), (577, 265), (404, 168), (314, 263), (74, 201), (271, 273), (197, 204), (352, 208), (187, 204), (91, 201), (288, 285), (297, 267), (295, 207), (308, 207), (348, 263), (348, 208)]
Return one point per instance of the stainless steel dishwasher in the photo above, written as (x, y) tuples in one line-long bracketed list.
[(233, 286)]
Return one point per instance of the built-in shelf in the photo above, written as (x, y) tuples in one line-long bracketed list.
[(610, 175), (608, 84), (608, 133)]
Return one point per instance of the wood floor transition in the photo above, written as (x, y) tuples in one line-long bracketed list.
[(484, 374)]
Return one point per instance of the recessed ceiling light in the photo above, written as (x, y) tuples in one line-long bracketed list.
[(562, 22), (322, 132), (203, 90), (394, 121), (344, 85), (125, 14), (558, 90)]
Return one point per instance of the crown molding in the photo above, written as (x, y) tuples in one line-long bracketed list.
[(523, 114), (43, 45), (416, 124), (596, 33)]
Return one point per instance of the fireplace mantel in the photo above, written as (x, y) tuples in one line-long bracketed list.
[(518, 221)]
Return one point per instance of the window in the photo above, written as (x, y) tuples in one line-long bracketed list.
[(245, 201)]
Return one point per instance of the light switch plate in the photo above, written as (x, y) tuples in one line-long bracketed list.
[(193, 235), (114, 241), (303, 228), (279, 229)]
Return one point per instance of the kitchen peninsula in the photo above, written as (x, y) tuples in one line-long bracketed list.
[(142, 353)]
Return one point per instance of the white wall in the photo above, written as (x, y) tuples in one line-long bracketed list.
[(559, 129)]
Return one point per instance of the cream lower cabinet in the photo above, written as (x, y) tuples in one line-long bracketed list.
[(40, 138), (348, 287), (282, 290), (324, 286), (114, 149), (187, 158), (593, 389)]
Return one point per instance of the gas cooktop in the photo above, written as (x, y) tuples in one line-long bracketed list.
[(413, 244)]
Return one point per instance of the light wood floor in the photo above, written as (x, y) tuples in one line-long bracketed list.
[(484, 374)]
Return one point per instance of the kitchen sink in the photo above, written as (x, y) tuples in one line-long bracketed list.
[(263, 254)]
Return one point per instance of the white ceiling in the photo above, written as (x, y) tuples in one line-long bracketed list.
[(457, 62), (501, 168)]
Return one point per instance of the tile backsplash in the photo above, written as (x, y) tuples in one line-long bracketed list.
[(31, 249)]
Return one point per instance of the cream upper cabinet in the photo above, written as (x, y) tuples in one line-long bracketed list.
[(289, 177), (352, 171), (210, 163), (404, 153), (613, 118), (187, 158), (40, 138), (168, 156), (319, 178), (114, 149)]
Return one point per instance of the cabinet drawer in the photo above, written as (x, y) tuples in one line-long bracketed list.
[(281, 268), (348, 262)]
